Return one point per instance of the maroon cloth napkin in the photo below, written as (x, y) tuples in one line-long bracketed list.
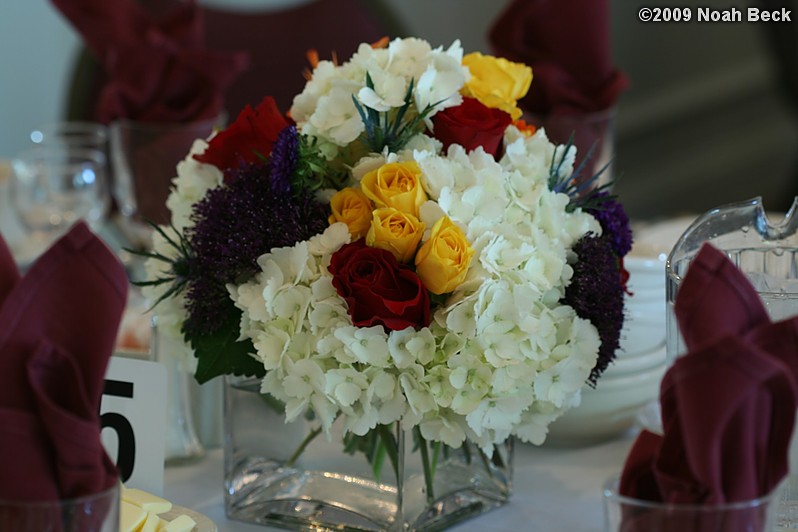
[(728, 405), (9, 274), (278, 40), (574, 83), (158, 69), (58, 327), (568, 46)]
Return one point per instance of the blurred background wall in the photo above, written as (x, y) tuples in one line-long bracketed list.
[(704, 121)]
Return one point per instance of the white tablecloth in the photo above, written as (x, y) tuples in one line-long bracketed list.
[(555, 489)]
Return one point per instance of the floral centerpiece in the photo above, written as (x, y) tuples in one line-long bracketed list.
[(398, 254)]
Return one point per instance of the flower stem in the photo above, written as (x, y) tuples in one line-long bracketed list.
[(467, 452), (390, 447), (429, 472), (485, 461), (436, 452), (299, 450)]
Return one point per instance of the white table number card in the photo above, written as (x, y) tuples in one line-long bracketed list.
[(133, 420)]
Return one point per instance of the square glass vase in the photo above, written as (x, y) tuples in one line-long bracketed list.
[(291, 475)]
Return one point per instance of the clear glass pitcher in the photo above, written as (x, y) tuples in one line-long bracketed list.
[(763, 245)]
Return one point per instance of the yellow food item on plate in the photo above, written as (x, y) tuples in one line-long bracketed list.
[(182, 523), (147, 501), (131, 517), (153, 523), (139, 512)]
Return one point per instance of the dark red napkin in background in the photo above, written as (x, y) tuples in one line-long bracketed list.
[(58, 328), (158, 69), (728, 405), (568, 46), (9, 274), (574, 83)]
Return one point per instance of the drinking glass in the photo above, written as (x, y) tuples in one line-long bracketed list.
[(144, 159), (182, 442), (628, 514), (57, 185), (592, 133), (93, 513), (72, 133)]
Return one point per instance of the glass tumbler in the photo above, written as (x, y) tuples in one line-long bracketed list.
[(92, 513), (72, 133), (628, 514), (593, 134), (57, 185), (144, 158)]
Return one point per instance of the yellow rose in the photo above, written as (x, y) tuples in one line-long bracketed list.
[(353, 208), (395, 231), (442, 262), (497, 82), (396, 185)]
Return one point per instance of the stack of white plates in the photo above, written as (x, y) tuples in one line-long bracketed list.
[(633, 379)]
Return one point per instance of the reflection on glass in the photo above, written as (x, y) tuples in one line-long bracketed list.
[(57, 185)]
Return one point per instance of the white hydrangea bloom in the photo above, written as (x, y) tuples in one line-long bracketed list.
[(336, 119), (329, 241), (423, 143), (325, 109), (193, 181), (449, 429), (502, 355), (368, 345), (388, 91), (409, 346), (420, 400), (385, 396), (345, 385)]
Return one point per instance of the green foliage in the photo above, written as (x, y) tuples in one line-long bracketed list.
[(582, 192), (179, 267), (221, 353), (376, 445), (314, 171)]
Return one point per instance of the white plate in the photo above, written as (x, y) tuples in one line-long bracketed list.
[(203, 523), (642, 334), (636, 364)]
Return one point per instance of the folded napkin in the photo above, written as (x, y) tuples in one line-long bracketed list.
[(574, 83), (728, 405), (568, 46), (58, 327), (158, 69), (278, 40)]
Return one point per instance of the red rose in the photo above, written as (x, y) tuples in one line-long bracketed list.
[(246, 140), (471, 124), (377, 289)]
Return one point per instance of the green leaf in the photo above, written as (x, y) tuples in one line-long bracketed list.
[(275, 404), (429, 471), (220, 353), (391, 448), (378, 460)]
